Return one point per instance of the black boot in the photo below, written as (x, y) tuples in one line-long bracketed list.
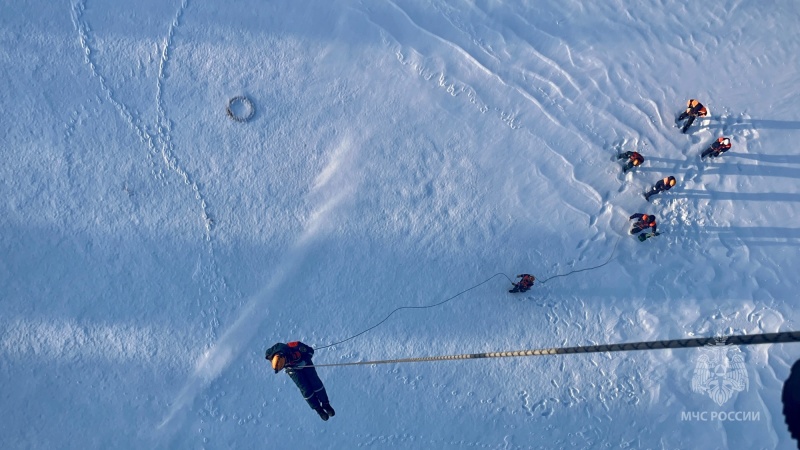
[(322, 414), (328, 409), (688, 124)]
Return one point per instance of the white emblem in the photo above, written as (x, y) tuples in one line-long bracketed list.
[(720, 374)]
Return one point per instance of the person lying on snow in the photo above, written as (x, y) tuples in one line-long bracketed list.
[(525, 283), (295, 357)]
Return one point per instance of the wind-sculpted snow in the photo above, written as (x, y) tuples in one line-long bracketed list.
[(417, 43), (401, 152)]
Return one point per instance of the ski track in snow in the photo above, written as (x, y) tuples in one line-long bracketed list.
[(159, 143)]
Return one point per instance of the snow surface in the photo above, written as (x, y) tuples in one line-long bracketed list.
[(151, 248)]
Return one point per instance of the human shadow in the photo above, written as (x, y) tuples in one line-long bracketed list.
[(742, 196), (756, 232), (732, 124), (777, 159), (757, 236), (664, 165), (664, 160), (759, 170)]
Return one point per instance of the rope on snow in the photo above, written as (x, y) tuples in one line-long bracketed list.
[(464, 292), (414, 307), (588, 268), (752, 339)]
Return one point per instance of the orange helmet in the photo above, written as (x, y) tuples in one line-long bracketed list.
[(644, 217), (278, 361)]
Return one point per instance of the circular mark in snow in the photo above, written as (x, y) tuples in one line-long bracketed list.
[(241, 109)]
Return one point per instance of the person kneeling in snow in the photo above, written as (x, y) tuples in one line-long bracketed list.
[(635, 159), (645, 221), (295, 357), (717, 148), (524, 284)]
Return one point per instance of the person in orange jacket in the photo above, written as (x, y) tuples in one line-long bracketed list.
[(525, 283), (635, 159), (717, 148), (694, 109), (295, 357)]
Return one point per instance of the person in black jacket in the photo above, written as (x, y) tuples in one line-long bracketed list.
[(644, 222), (717, 148), (525, 283), (295, 357), (660, 186), (791, 402)]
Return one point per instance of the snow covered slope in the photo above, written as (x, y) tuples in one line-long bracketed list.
[(401, 152)]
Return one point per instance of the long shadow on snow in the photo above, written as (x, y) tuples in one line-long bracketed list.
[(757, 232), (743, 196), (83, 295), (756, 170), (756, 236), (722, 168), (731, 124), (777, 159), (671, 165)]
